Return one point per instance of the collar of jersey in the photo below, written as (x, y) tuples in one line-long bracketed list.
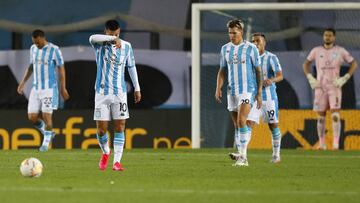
[(243, 42)]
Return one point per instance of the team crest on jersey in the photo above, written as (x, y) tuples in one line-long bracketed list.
[(234, 59), (334, 55)]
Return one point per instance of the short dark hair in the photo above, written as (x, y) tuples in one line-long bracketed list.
[(330, 29), (235, 23), (259, 34), (112, 25), (38, 33)]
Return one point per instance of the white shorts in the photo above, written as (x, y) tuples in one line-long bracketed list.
[(45, 100), (111, 106), (234, 101), (269, 111)]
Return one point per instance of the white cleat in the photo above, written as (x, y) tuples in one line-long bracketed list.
[(241, 161), (275, 159), (234, 156)]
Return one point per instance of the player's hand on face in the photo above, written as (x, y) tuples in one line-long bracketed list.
[(218, 95), (267, 82), (259, 101), (117, 43), (65, 94), (20, 88), (137, 96)]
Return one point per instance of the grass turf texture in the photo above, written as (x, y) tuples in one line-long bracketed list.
[(205, 175)]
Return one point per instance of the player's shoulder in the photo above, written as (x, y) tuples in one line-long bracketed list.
[(318, 48), (338, 47), (247, 43), (270, 54), (226, 45), (33, 47), (125, 43), (51, 45)]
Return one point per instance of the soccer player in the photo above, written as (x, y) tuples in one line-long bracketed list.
[(240, 59), (113, 55), (44, 58), (272, 74), (328, 60)]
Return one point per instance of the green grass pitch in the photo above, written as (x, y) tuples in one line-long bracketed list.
[(205, 175)]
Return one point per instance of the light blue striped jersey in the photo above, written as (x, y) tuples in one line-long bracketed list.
[(44, 61), (241, 61), (111, 63), (270, 67)]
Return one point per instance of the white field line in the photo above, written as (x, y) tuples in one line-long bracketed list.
[(177, 191), (220, 154)]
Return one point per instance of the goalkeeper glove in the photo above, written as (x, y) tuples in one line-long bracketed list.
[(312, 81), (339, 82)]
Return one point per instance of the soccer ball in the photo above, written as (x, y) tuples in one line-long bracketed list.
[(31, 167)]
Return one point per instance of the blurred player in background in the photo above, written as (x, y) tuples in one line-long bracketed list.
[(240, 59), (328, 60), (113, 55), (272, 74), (44, 96)]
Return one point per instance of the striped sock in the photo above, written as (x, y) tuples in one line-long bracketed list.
[(103, 143), (321, 130), (119, 140), (336, 129), (276, 141), (249, 135), (237, 139), (47, 138), (40, 126), (243, 134)]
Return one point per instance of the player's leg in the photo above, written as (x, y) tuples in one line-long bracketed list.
[(102, 117), (233, 108), (252, 119), (234, 115), (335, 104), (47, 116), (276, 142), (34, 106), (47, 99), (119, 112), (103, 139), (320, 106), (271, 116), (244, 109), (119, 141)]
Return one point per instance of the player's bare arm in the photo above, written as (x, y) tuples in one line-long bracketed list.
[(259, 82), (26, 77), (277, 78), (219, 84), (63, 90)]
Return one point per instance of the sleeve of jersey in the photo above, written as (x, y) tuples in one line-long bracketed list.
[(31, 55), (222, 58), (347, 56), (130, 63), (275, 64), (98, 39), (59, 58), (311, 55), (255, 57)]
